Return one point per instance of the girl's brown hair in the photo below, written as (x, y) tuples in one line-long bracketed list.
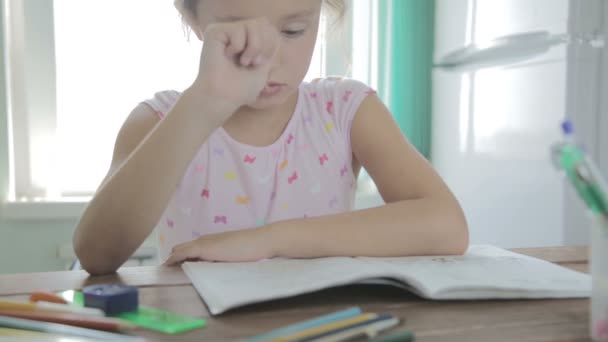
[(337, 7)]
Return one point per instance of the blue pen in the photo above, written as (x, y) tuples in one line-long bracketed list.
[(291, 329)]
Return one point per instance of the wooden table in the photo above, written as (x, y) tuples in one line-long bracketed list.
[(520, 320)]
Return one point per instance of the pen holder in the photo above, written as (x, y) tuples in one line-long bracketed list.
[(599, 275)]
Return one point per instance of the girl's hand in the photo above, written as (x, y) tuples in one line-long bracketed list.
[(239, 246), (236, 60)]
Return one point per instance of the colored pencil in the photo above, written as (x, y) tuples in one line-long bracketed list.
[(315, 322), (49, 307), (62, 329), (83, 321), (325, 328), (370, 330)]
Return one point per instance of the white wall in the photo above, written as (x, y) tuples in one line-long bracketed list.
[(33, 246), (603, 113), (493, 130)]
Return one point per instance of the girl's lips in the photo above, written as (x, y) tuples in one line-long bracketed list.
[(272, 89)]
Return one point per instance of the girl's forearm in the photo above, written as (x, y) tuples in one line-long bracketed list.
[(130, 202), (424, 226)]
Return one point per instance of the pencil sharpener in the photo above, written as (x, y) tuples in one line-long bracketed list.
[(113, 299)]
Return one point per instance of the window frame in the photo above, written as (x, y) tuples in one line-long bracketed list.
[(586, 107), (31, 109), (30, 74)]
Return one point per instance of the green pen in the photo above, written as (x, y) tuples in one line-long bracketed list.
[(582, 172), (591, 186)]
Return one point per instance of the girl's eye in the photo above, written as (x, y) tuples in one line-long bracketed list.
[(293, 33)]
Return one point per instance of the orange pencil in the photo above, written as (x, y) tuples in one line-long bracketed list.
[(83, 321), (40, 296)]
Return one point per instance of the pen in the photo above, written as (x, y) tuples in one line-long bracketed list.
[(401, 336), (582, 172)]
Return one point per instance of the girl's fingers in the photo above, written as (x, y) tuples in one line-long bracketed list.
[(253, 47), (259, 60), (173, 260), (182, 253), (250, 43), (170, 260), (176, 258), (237, 41)]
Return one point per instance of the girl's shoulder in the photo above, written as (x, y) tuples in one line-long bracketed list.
[(335, 98), (163, 101), (337, 86)]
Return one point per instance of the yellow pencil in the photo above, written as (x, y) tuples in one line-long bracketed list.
[(325, 328), (8, 332)]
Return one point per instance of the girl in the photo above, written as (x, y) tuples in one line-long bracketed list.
[(250, 163)]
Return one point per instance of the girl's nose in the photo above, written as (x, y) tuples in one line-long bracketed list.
[(278, 58)]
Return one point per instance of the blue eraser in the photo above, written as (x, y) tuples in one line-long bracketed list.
[(113, 299)]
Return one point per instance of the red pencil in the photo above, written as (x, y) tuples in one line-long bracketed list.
[(83, 321)]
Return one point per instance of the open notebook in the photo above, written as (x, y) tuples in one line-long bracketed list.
[(484, 272)]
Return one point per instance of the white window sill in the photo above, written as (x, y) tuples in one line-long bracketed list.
[(367, 200), (147, 251), (42, 211), (71, 210)]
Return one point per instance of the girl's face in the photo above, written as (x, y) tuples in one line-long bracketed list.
[(296, 20)]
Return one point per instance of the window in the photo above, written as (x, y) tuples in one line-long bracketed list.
[(76, 68)]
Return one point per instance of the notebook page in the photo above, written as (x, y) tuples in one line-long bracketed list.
[(227, 285), (487, 272)]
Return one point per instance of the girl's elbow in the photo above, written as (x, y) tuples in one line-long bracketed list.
[(451, 233), (459, 238), (460, 243), (96, 268), (91, 260), (95, 265)]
